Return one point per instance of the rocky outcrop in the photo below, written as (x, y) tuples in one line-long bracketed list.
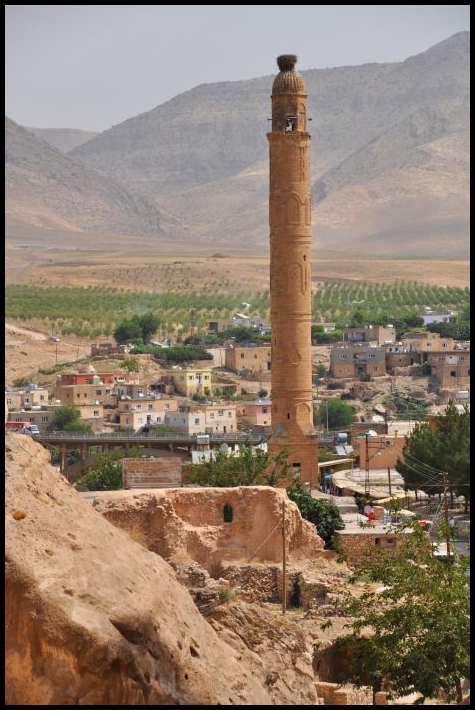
[(94, 618)]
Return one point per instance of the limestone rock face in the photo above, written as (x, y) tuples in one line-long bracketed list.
[(94, 618)]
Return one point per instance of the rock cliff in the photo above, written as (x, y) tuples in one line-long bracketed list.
[(93, 617)]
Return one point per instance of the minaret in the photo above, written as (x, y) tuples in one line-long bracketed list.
[(290, 275)]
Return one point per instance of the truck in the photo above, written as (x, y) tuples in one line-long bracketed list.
[(30, 429)]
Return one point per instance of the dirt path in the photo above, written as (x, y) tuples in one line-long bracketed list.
[(27, 350)]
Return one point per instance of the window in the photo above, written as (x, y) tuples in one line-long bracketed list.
[(228, 513), (290, 124), (296, 471), (95, 413)]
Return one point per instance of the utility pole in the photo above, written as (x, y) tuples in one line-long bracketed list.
[(446, 516), (389, 480), (366, 479), (284, 583)]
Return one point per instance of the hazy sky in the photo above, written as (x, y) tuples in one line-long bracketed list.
[(91, 67)]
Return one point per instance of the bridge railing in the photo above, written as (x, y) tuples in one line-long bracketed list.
[(169, 436)]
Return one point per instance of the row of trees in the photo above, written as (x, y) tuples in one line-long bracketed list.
[(95, 311)]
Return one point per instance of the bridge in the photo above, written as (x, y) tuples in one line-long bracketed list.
[(174, 442)]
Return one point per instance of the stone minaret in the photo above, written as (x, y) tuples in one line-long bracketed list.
[(290, 275)]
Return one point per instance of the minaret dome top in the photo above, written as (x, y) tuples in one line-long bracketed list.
[(286, 62), (288, 81)]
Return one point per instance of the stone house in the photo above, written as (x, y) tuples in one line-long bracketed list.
[(92, 414), (138, 412), (32, 396), (82, 395), (256, 414), (354, 541), (80, 388), (400, 356), (375, 334), (203, 419), (108, 349), (422, 344), (217, 326), (437, 317), (451, 370), (251, 359), (378, 452), (356, 361), (191, 381)]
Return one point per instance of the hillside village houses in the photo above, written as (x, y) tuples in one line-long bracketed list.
[(120, 399)]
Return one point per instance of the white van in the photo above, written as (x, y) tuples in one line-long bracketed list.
[(30, 429)]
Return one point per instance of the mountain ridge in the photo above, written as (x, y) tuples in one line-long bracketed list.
[(390, 162)]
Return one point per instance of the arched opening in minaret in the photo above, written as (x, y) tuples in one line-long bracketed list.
[(290, 122)]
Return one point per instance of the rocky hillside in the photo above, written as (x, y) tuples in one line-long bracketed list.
[(390, 161), (111, 623)]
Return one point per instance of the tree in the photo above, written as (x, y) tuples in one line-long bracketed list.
[(428, 453), (128, 331), (321, 370), (322, 513), (149, 323), (106, 474), (131, 364), (413, 632), (68, 418), (248, 467), (337, 413)]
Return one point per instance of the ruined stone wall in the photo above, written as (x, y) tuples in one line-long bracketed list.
[(190, 523), (152, 473), (355, 546), (335, 694)]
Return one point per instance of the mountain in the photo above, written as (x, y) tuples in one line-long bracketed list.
[(390, 159), (62, 138), (46, 189)]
